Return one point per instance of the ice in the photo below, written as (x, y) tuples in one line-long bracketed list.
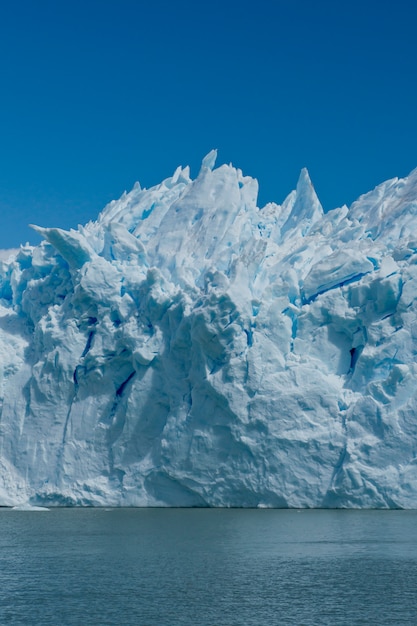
[(6, 255), (191, 349), (29, 507)]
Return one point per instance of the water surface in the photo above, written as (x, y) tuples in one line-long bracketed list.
[(208, 567)]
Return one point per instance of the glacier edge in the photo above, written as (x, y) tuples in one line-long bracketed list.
[(191, 349)]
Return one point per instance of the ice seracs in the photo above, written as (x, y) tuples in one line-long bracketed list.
[(190, 349)]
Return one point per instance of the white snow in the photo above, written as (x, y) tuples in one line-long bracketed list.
[(191, 349)]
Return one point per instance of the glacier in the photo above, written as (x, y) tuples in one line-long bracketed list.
[(188, 348)]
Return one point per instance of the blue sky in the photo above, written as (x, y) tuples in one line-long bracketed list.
[(96, 94)]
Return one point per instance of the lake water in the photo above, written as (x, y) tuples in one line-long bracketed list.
[(208, 567)]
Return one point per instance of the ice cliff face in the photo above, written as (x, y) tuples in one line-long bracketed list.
[(190, 349)]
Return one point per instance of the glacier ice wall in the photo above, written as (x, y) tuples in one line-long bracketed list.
[(191, 349)]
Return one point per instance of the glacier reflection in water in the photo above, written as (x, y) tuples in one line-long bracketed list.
[(208, 567)]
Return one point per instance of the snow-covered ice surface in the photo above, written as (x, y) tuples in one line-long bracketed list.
[(191, 349)]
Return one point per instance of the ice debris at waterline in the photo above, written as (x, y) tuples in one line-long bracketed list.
[(191, 349)]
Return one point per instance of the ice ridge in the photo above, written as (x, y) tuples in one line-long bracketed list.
[(191, 349)]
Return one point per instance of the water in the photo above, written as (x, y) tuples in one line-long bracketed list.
[(208, 567)]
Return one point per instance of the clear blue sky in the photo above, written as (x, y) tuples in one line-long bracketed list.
[(96, 94)]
